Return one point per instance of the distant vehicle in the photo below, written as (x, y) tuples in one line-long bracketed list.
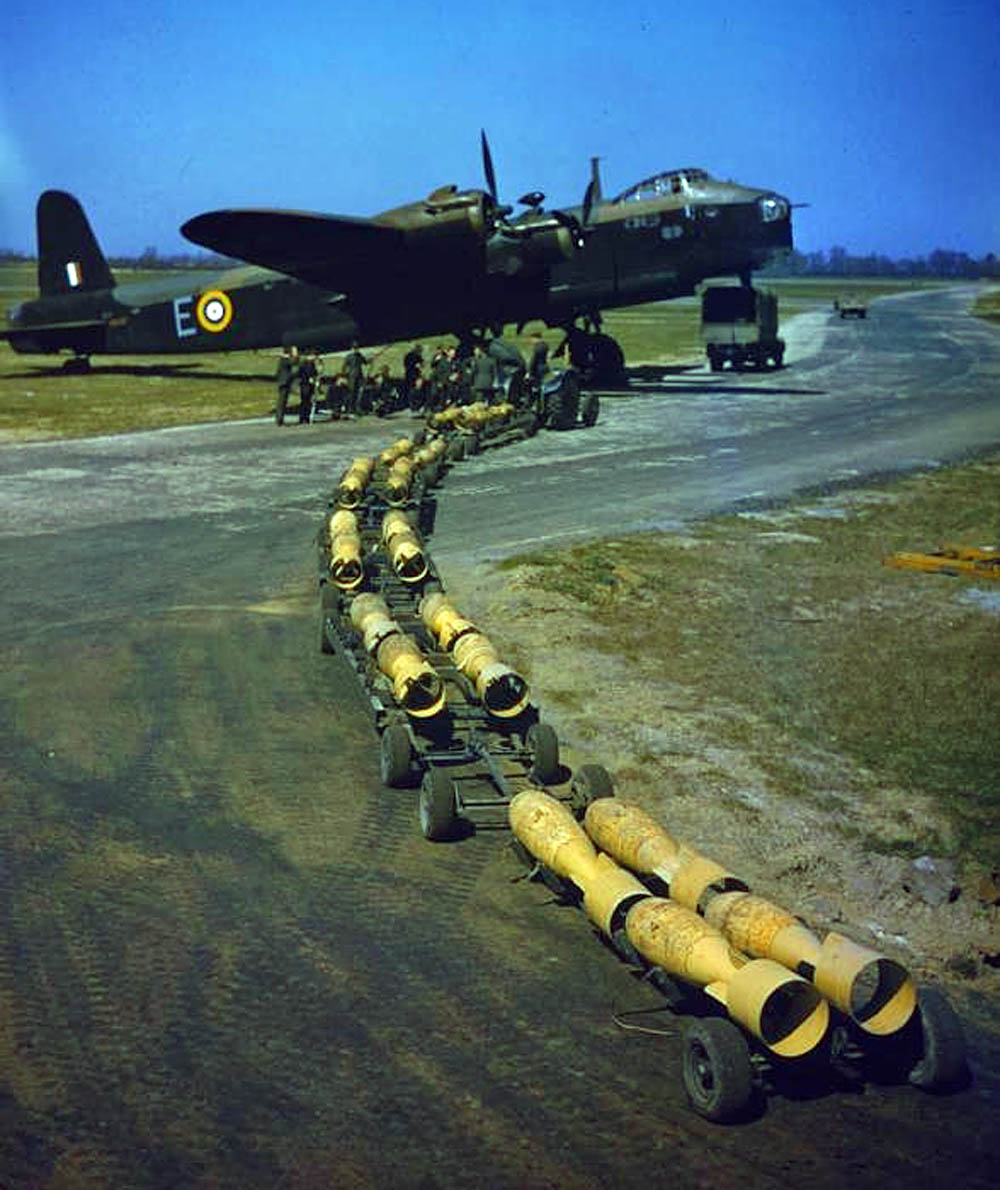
[(456, 261), (851, 307), (739, 325)]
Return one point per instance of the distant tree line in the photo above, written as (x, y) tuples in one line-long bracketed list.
[(149, 258), (838, 262)]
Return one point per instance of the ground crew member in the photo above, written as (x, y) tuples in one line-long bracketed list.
[(539, 362), (510, 368), (456, 377), (308, 373), (285, 373), (354, 370), (482, 375), (413, 363)]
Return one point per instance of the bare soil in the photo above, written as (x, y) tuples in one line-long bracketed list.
[(803, 820)]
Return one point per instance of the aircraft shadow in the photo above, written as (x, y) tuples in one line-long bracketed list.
[(663, 377)]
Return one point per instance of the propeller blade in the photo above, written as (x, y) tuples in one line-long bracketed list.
[(491, 178), (588, 203)]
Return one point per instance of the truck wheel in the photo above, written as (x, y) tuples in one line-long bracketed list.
[(590, 407), (395, 755), (718, 1076), (590, 782), (941, 1062), (543, 744), (437, 805)]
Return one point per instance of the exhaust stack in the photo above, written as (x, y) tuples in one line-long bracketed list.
[(781, 1009)]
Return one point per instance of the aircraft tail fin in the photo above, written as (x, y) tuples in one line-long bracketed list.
[(69, 258)]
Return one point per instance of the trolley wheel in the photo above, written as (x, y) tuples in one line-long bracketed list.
[(543, 744), (590, 782), (324, 641), (562, 402), (941, 1058), (590, 407), (438, 811), (718, 1075), (395, 755), (328, 601)]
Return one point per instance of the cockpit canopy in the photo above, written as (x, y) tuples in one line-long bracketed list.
[(678, 181)]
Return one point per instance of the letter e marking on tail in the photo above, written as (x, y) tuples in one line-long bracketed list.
[(183, 318)]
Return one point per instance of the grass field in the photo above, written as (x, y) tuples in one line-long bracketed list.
[(788, 616), (987, 305), (38, 400)]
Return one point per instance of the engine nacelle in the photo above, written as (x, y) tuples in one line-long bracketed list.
[(523, 249)]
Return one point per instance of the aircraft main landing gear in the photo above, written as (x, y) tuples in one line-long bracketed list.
[(597, 357)]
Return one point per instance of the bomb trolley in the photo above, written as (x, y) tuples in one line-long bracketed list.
[(727, 1073), (467, 762)]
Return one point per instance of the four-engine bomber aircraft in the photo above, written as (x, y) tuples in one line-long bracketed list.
[(455, 261)]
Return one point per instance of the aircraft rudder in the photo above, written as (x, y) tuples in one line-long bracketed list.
[(70, 259)]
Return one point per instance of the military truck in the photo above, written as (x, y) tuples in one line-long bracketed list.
[(851, 307), (739, 325)]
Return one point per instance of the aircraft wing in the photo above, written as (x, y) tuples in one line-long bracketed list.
[(332, 251)]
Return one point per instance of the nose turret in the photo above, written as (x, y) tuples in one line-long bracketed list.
[(773, 207)]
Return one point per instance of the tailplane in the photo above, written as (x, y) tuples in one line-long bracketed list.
[(69, 258)]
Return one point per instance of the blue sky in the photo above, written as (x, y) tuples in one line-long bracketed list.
[(883, 115)]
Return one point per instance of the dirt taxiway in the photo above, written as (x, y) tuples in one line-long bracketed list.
[(228, 952)]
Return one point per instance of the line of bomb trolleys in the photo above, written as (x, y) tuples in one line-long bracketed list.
[(770, 1002)]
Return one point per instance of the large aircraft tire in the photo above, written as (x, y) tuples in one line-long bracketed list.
[(590, 408)]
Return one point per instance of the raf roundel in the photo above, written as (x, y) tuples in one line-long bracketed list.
[(214, 311)]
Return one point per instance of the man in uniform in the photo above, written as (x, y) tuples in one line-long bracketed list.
[(538, 364), (307, 381), (284, 375), (354, 370), (482, 375), (413, 363)]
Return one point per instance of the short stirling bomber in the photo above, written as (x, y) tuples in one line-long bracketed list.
[(455, 261)]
